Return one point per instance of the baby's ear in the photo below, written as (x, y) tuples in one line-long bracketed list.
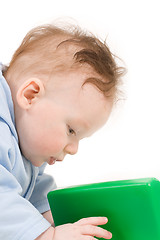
[(29, 92)]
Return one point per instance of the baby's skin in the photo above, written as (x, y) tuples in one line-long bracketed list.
[(84, 229)]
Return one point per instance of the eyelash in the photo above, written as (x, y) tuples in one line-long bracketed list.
[(71, 131)]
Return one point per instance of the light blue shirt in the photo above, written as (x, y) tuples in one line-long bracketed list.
[(23, 187)]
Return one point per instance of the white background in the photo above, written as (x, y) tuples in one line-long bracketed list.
[(128, 146)]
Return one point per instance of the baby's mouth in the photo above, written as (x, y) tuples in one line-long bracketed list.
[(52, 160)]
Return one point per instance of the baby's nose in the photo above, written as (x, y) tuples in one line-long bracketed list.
[(71, 148)]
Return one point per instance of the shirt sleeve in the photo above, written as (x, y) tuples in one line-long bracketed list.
[(19, 219), (44, 184)]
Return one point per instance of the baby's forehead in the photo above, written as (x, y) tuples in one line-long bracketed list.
[(72, 89), (76, 77)]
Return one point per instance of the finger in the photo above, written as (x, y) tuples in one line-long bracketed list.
[(92, 221), (96, 231)]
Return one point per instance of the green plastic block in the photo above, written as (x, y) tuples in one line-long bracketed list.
[(131, 206)]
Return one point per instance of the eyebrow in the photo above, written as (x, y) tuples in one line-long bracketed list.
[(82, 122)]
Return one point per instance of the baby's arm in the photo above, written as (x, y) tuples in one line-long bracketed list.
[(48, 234), (48, 216), (83, 229)]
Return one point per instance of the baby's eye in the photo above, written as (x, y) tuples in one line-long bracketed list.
[(71, 131)]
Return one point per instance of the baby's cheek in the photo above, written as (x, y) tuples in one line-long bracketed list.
[(56, 144), (51, 144)]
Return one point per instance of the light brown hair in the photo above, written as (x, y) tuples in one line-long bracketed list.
[(48, 48)]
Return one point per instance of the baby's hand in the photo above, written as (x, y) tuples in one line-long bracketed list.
[(84, 229)]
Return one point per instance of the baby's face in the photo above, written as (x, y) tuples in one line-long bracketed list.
[(53, 126)]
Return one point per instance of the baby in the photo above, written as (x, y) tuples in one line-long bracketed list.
[(59, 88)]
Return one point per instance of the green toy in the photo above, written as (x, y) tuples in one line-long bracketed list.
[(131, 206)]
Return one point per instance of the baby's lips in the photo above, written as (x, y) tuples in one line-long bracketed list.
[(52, 160)]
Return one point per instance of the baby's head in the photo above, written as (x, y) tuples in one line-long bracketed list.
[(63, 84)]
